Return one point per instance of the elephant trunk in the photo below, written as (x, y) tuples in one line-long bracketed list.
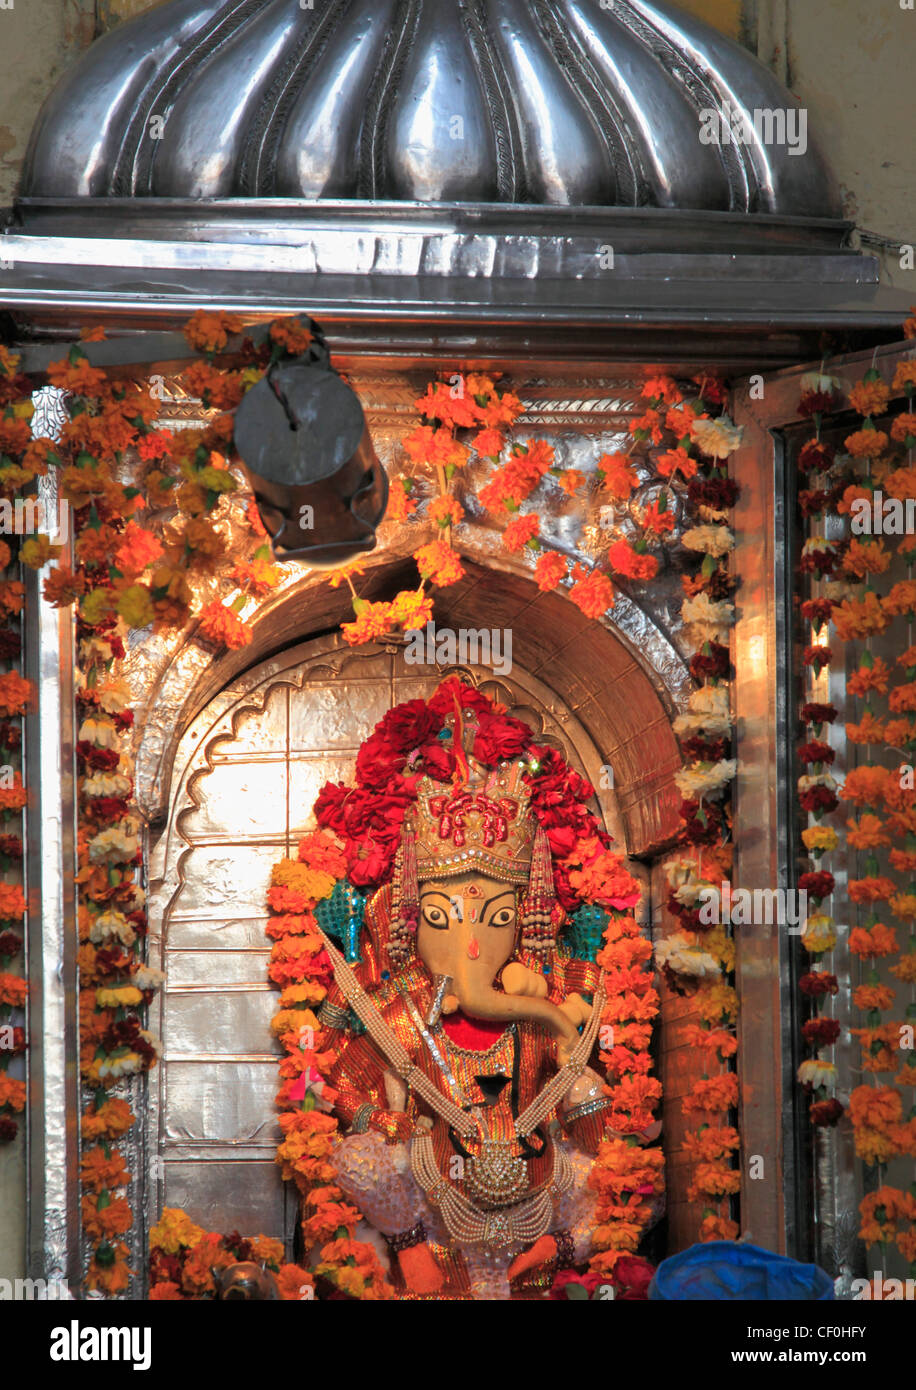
[(480, 1000)]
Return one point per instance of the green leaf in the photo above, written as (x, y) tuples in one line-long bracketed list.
[(577, 1293)]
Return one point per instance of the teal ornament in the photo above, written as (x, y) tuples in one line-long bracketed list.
[(341, 917), (583, 935)]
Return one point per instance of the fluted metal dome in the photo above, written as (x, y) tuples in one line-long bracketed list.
[(550, 102)]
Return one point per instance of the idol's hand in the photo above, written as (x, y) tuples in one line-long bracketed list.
[(396, 1092)]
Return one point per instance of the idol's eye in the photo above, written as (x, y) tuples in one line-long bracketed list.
[(503, 918), (435, 916)]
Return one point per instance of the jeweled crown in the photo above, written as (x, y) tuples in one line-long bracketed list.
[(481, 823)]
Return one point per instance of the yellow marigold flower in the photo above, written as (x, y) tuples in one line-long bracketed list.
[(217, 479), (118, 997), (135, 606), (37, 551), (289, 873), (820, 837)]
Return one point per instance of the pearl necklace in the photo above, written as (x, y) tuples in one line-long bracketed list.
[(544, 1102)]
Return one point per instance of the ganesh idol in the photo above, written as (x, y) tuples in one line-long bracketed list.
[(464, 1032)]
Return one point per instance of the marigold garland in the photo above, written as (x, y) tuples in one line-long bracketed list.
[(883, 827), (16, 700)]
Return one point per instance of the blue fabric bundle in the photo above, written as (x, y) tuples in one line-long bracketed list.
[(728, 1269)]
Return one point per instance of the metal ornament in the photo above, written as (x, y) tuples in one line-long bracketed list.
[(320, 490)]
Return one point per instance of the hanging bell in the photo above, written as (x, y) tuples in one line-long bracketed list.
[(302, 437)]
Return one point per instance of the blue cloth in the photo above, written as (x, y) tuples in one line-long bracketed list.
[(728, 1269)]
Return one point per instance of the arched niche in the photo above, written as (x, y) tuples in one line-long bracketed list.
[(621, 676)]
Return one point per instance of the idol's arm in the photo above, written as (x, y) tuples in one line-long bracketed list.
[(359, 1078)]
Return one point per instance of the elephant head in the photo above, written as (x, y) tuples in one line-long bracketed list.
[(467, 934)]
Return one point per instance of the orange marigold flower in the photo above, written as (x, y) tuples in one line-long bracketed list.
[(631, 563), (871, 890), (900, 484), (868, 730), (293, 1282), (259, 575), (549, 570), (676, 461), (901, 598), (905, 375), (873, 942), (100, 1172), (874, 677), (869, 397), (445, 510), (15, 694), (12, 902), (592, 592), (875, 1106), (867, 785), (570, 480), (110, 1120), (520, 530), (400, 503), (209, 331), (165, 1292), (866, 443), (866, 557), (62, 587), (904, 428), (619, 478), (905, 969), (411, 610), (290, 334), (222, 625), (715, 1093), (860, 618), (439, 563), (78, 377), (867, 832), (489, 442), (138, 549), (372, 620), (718, 1228)]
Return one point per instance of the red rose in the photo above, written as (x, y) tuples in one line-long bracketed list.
[(499, 738), (377, 762), (632, 1277), (566, 1278), (369, 862), (562, 840), (438, 760), (452, 692), (407, 726)]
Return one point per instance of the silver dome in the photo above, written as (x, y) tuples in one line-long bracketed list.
[(575, 103)]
